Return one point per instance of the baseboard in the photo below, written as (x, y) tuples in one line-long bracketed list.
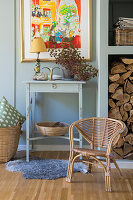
[(123, 164)]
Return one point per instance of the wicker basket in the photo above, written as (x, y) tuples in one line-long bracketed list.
[(52, 128), (123, 37), (9, 138)]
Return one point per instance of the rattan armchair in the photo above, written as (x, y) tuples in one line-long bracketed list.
[(100, 133)]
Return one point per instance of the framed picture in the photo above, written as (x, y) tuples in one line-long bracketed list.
[(56, 21)]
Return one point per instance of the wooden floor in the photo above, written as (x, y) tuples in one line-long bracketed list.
[(83, 187)]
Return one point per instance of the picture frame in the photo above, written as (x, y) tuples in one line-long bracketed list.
[(26, 15)]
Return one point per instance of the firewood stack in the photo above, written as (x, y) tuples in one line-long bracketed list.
[(121, 104)]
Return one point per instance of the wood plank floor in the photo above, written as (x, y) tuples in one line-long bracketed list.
[(83, 187)]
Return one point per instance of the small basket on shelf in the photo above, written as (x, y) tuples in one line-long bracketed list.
[(123, 37), (52, 128)]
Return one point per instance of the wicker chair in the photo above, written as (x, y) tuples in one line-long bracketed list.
[(100, 133)]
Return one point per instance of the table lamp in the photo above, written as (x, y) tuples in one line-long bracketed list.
[(37, 46)]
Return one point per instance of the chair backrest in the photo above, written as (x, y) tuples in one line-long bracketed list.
[(98, 131)]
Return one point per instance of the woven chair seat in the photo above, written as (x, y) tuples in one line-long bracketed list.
[(91, 152)]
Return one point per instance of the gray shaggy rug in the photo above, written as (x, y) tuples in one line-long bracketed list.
[(43, 168)]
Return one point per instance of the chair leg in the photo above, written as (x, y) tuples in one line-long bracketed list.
[(118, 169), (107, 176), (89, 168), (70, 166), (70, 169), (107, 181)]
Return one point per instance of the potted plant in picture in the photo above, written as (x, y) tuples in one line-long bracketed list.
[(70, 59)]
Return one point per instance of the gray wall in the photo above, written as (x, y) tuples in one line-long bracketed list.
[(7, 44), (58, 107)]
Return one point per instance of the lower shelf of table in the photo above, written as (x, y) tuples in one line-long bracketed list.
[(43, 137), (46, 137)]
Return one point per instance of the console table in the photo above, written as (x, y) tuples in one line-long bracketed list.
[(59, 86)]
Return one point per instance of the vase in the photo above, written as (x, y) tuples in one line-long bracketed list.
[(66, 73)]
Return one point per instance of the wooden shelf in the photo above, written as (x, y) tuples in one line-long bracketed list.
[(121, 1), (120, 50)]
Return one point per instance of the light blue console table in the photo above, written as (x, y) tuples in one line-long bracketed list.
[(32, 87)]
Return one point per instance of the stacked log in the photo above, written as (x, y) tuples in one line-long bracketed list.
[(121, 104)]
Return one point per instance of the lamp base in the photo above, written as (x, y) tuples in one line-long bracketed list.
[(37, 66)]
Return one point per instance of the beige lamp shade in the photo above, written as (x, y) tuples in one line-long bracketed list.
[(37, 45)]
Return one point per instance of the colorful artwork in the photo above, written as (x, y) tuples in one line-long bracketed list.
[(56, 21)]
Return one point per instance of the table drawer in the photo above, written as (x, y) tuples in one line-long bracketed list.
[(55, 88)]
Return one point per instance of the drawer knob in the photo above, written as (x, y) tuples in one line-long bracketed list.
[(54, 86)]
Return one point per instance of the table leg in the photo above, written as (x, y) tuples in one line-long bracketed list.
[(27, 120), (33, 116), (80, 113)]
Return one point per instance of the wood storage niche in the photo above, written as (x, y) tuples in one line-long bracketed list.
[(121, 102)]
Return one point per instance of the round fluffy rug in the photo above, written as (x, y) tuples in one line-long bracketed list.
[(43, 168)]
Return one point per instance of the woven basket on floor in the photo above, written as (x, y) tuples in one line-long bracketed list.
[(9, 138), (52, 128)]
